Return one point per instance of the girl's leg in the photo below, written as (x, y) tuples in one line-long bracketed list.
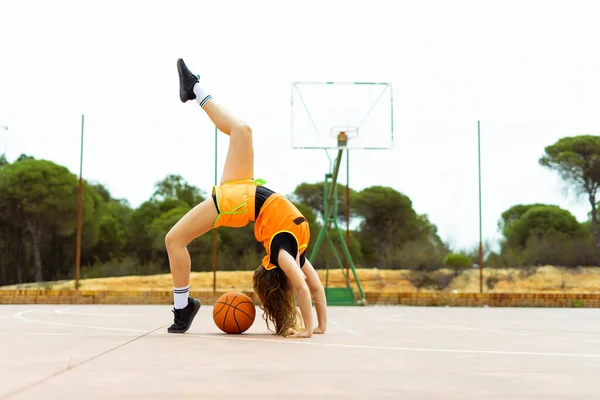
[(196, 222), (239, 163)]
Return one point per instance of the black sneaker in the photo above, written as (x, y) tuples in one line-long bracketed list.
[(187, 80), (184, 317)]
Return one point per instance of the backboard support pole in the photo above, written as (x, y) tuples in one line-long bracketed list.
[(337, 296)]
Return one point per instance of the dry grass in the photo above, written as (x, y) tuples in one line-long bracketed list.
[(540, 279), (370, 279), (536, 279)]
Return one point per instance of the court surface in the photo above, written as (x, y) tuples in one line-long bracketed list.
[(124, 352)]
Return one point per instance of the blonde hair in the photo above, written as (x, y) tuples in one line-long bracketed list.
[(277, 300)]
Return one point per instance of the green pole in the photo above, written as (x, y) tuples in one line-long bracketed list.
[(347, 207), (326, 207), (334, 178), (480, 230), (214, 230), (79, 212), (216, 144)]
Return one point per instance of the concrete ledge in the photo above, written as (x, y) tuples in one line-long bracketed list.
[(486, 299), (28, 296)]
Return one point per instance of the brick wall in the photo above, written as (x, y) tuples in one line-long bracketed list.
[(373, 298), (100, 297), (489, 299)]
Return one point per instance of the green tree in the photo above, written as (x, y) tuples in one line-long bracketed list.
[(311, 195), (541, 233), (542, 221), (175, 187), (140, 240), (308, 213), (12, 235), (513, 214), (458, 262), (577, 161), (102, 191), (4, 236), (112, 238), (43, 197), (389, 222), (146, 237)]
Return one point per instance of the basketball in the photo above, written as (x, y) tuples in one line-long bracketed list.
[(234, 313)]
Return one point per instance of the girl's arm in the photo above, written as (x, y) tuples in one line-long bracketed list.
[(318, 295), (294, 274)]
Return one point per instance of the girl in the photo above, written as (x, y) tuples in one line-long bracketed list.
[(238, 200)]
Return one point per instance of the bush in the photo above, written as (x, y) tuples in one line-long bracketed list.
[(124, 267), (458, 262), (319, 259), (438, 280), (552, 249), (491, 281), (495, 260), (419, 255)]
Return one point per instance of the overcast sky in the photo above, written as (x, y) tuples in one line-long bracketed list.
[(529, 70)]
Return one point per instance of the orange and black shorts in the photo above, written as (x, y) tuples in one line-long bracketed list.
[(236, 200)]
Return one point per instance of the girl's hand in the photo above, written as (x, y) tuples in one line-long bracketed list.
[(319, 331), (300, 335)]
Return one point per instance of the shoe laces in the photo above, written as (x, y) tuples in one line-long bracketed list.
[(177, 313)]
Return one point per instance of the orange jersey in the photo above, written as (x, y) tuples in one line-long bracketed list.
[(279, 215), (236, 204)]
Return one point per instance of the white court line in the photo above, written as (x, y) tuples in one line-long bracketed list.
[(70, 334), (580, 311), (415, 349), (377, 316), (512, 322), (350, 331), (62, 311), (466, 328), (19, 316), (426, 324)]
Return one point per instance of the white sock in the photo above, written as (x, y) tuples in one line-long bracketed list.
[(202, 96), (181, 297)]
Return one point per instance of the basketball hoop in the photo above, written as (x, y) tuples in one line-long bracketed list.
[(343, 134)]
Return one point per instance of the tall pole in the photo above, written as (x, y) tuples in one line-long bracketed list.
[(214, 230), (79, 212), (5, 141), (347, 208), (480, 231)]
